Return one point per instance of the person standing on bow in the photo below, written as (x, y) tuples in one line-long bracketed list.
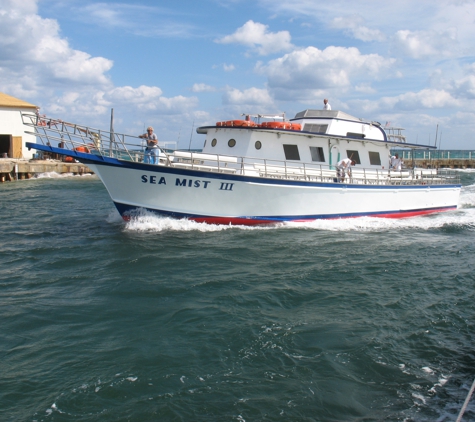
[(326, 105), (344, 167), (151, 152)]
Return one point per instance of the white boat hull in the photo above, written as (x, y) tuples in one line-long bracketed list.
[(232, 199)]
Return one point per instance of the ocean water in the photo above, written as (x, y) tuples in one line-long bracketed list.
[(163, 320)]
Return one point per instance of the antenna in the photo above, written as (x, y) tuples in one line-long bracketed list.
[(191, 135), (111, 138)]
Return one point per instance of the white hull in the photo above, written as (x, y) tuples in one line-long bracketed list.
[(218, 198)]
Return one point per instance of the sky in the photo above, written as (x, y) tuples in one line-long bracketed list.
[(180, 64)]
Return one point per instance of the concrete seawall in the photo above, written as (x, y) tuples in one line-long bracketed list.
[(12, 169), (452, 163)]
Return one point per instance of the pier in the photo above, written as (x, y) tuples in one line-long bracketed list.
[(453, 159), (18, 169)]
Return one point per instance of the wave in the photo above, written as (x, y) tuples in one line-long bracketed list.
[(462, 218), (54, 175)]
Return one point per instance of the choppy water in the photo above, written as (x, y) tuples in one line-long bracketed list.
[(163, 320)]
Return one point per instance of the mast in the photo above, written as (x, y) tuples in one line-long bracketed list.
[(111, 133)]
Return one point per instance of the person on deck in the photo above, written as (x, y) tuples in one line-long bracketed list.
[(344, 167), (326, 105), (395, 162), (151, 152)]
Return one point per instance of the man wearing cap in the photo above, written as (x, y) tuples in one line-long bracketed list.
[(151, 152)]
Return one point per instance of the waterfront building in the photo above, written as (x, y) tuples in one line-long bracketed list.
[(12, 130)]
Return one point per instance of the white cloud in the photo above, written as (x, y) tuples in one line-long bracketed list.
[(202, 88), (228, 67), (128, 94), (251, 96), (256, 36), (40, 66), (149, 98), (365, 89), (464, 87), (354, 26), (31, 45), (137, 19), (409, 102), (426, 44), (305, 72)]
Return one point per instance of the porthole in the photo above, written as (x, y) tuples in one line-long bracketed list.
[(214, 142), (258, 145), (231, 143)]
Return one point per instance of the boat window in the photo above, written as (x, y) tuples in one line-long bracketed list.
[(291, 152), (355, 135), (353, 155), (231, 143), (310, 127), (317, 154), (374, 158), (214, 142), (258, 145)]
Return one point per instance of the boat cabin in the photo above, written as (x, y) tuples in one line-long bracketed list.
[(313, 136)]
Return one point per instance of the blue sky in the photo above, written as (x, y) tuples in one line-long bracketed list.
[(180, 64)]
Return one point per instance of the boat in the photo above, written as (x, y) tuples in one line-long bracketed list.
[(259, 169)]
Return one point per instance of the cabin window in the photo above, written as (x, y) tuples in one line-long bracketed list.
[(317, 154), (310, 127), (258, 145), (374, 158), (231, 143), (291, 152), (353, 155), (214, 142), (355, 135)]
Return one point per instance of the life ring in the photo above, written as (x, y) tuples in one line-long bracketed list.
[(277, 125), (82, 149), (240, 123), (69, 159)]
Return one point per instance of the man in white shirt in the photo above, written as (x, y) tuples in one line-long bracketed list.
[(326, 105), (396, 162), (344, 166)]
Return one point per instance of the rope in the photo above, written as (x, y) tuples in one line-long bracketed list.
[(462, 411)]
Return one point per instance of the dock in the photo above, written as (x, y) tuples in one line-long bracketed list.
[(19, 169)]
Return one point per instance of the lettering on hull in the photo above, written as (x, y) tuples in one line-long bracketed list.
[(189, 183)]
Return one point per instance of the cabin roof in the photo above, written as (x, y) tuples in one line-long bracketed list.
[(326, 114), (12, 102)]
